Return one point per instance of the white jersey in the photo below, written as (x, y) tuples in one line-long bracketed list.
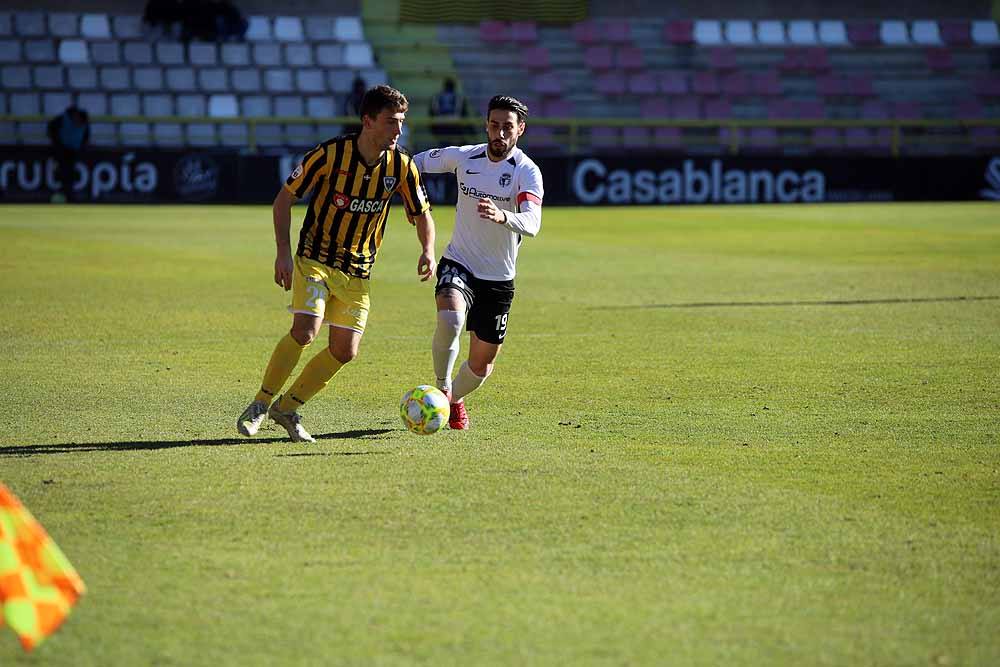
[(514, 185)]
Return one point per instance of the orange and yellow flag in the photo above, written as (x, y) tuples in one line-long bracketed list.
[(38, 585)]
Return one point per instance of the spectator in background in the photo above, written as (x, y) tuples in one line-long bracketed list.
[(448, 104), (69, 133), (230, 25), (165, 17), (352, 103), (204, 20)]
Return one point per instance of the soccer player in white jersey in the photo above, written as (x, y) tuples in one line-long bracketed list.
[(499, 203)]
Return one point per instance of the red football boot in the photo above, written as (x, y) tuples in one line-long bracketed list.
[(458, 418)]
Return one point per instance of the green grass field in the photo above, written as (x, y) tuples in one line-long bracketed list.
[(717, 436)]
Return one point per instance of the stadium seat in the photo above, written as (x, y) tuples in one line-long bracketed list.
[(875, 110), (6, 24), (761, 137), (674, 82), (299, 55), (105, 53), (816, 59), (104, 134), (375, 76), (270, 134), (718, 109), (610, 83), (833, 33), (49, 77), (616, 31), (321, 107), (301, 136), (135, 134), (125, 104), (63, 24), (722, 58), (148, 78), (137, 53), (985, 33), (925, 32), (201, 54), (213, 80), (320, 28), (200, 134), (585, 32), (802, 33), (33, 134), (259, 29), (894, 33), (170, 53), (826, 137), (494, 32), (907, 110), (668, 137), (558, 108), (158, 105), (705, 83), (708, 33), (340, 80), (629, 58), (956, 33), (809, 109), (40, 51), (348, 29), (223, 106), (127, 26), (288, 29), (310, 81), (970, 108), (987, 86), (739, 33), (766, 83), (278, 80), (288, 106), (30, 24), (863, 33), (549, 83), (598, 58), (25, 104), (95, 26), (15, 77), (771, 33), (256, 106), (3, 104), (523, 32), (233, 134), (330, 55), (685, 108), (10, 51), (82, 77), (637, 137), (191, 105), (859, 85), (96, 104), (358, 55), (679, 33), (654, 107), (780, 109), (830, 86), (181, 79), (168, 135), (235, 55), (604, 137), (267, 55), (643, 83), (535, 58), (939, 59), (735, 84)]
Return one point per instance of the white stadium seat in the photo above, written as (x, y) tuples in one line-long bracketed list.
[(223, 106), (134, 134), (95, 26), (237, 55), (348, 29), (802, 33), (285, 106), (267, 55), (288, 29), (259, 29), (321, 107), (330, 55), (707, 32), (49, 77), (56, 103), (340, 80), (985, 32), (82, 77), (125, 104), (201, 134), (105, 53), (137, 53), (73, 52), (310, 81), (191, 105), (64, 25), (158, 105), (127, 26), (771, 33), (213, 80), (170, 53), (104, 134), (256, 106), (25, 104), (833, 33), (739, 33), (233, 134), (181, 79), (320, 28), (894, 33), (40, 51), (358, 55), (96, 104), (374, 76), (202, 54), (168, 134), (148, 78), (299, 55), (278, 80), (246, 80), (925, 32)]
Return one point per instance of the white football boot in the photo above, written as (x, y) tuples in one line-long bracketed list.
[(249, 422), (291, 421)]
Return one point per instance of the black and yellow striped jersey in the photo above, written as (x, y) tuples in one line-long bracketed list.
[(344, 225)]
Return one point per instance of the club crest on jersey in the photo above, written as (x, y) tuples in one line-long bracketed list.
[(297, 172), (388, 182), (340, 200), (435, 153), (504, 180)]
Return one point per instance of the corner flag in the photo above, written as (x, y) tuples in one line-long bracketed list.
[(38, 585)]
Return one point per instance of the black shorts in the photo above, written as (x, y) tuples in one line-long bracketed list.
[(488, 301)]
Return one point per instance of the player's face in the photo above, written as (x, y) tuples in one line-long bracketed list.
[(385, 128), (503, 129)]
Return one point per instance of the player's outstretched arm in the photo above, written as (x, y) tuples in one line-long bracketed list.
[(426, 264), (282, 212)]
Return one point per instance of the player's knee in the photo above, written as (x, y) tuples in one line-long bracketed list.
[(344, 355), (303, 336), (482, 369)]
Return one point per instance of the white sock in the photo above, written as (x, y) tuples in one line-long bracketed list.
[(466, 382), (444, 347)]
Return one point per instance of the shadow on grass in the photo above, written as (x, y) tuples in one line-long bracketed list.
[(75, 448), (836, 302)]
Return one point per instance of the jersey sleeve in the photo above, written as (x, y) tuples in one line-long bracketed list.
[(412, 191), (527, 217), (305, 176), (441, 160)]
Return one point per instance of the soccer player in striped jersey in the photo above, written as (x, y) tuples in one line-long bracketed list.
[(352, 179), (499, 203)]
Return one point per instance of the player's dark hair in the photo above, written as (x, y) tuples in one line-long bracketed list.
[(380, 98), (508, 103)]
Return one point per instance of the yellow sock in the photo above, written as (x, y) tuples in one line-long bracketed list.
[(283, 360), (316, 375)]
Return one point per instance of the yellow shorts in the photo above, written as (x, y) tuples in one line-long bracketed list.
[(339, 299)]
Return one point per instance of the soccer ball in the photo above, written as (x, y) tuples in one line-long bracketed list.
[(424, 409)]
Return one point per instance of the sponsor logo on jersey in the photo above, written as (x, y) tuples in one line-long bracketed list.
[(470, 191), (357, 205), (435, 153), (472, 173), (388, 182), (504, 180)]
